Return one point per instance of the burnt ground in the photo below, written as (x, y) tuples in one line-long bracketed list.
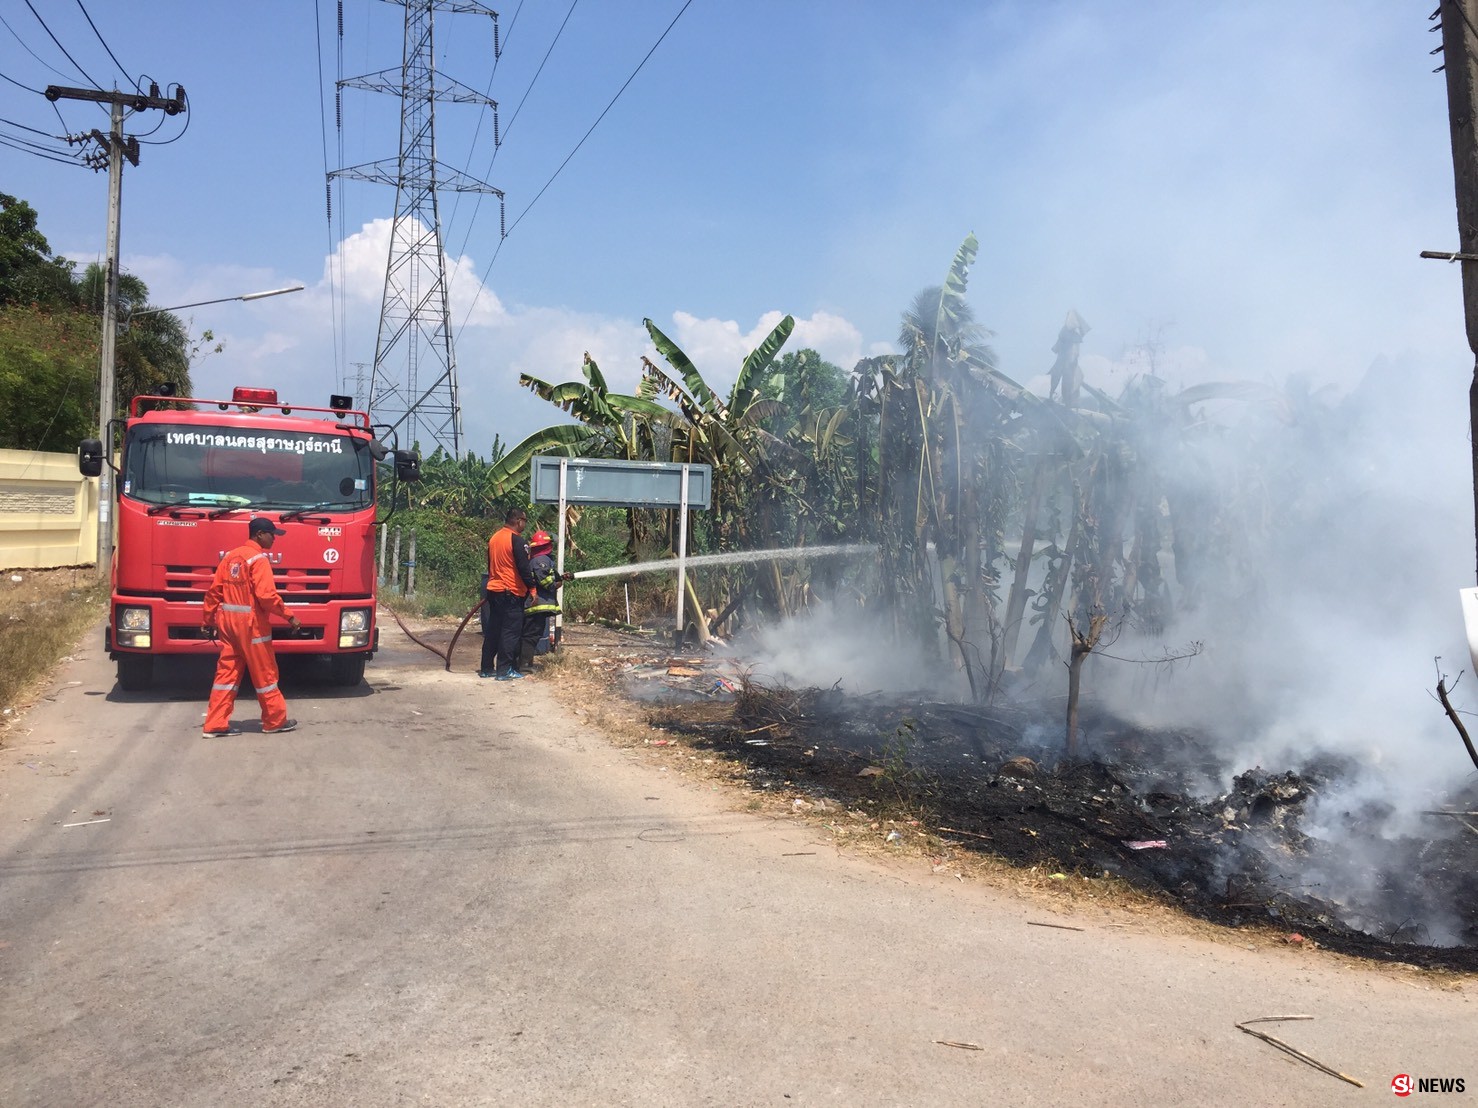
[(1146, 806), (1229, 858)]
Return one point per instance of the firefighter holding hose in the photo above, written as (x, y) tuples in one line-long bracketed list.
[(239, 606), (542, 604)]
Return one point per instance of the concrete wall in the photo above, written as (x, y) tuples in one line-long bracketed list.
[(48, 511)]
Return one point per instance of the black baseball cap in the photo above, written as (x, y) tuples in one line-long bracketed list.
[(260, 524)]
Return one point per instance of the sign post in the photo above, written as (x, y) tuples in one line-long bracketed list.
[(682, 560), (559, 558), (612, 482)]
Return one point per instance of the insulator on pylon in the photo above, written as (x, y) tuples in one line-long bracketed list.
[(341, 18), (339, 108), (497, 46), (497, 139), (502, 218), (328, 191)]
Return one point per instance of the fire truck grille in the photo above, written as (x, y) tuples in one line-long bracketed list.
[(291, 582), (190, 582)]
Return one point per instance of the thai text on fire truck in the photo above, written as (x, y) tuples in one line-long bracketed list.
[(263, 443)]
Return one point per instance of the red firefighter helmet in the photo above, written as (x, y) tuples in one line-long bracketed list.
[(540, 540)]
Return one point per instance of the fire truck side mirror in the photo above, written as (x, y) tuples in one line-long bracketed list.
[(378, 450), (407, 465), (90, 457)]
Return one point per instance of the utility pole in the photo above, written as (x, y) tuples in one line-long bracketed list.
[(106, 387), (117, 148), (1459, 42)]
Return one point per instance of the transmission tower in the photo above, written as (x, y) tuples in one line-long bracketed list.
[(359, 392), (414, 380)]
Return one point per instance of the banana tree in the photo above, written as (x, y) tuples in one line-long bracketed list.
[(944, 414), (610, 425), (749, 463)]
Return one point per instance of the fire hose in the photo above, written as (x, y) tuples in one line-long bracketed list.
[(213, 635), (447, 657)]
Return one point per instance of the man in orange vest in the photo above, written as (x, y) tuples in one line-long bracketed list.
[(238, 607), (509, 582)]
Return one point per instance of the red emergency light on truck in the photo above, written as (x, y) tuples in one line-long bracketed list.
[(191, 478)]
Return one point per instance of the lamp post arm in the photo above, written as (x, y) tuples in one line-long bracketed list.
[(221, 300)]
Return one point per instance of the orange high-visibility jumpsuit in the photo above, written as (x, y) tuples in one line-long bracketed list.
[(239, 604)]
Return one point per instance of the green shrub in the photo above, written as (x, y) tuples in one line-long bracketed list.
[(451, 558)]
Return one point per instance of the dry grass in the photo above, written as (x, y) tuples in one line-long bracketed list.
[(41, 617)]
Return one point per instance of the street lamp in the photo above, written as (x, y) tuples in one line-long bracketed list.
[(221, 300), (105, 404)]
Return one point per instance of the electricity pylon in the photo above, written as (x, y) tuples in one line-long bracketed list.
[(414, 383)]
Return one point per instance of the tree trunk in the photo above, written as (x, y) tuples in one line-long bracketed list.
[(1083, 645), (1074, 681)]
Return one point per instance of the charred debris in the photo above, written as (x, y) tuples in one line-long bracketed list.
[(1295, 849)]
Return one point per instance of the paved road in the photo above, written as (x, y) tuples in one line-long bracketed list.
[(449, 891)]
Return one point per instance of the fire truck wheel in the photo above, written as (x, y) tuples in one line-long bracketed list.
[(348, 669), (135, 672)]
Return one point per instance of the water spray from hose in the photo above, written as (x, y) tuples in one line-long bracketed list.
[(733, 558)]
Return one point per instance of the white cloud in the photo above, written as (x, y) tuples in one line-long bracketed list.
[(834, 338), (358, 265), (718, 347)]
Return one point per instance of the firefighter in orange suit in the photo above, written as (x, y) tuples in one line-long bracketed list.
[(238, 607)]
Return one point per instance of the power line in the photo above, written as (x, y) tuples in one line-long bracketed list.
[(180, 95), (497, 140), (17, 84), (538, 71), (62, 48), (33, 130), (109, 49), (414, 314), (571, 154), (338, 269), (33, 146), (16, 35), (49, 157), (59, 119), (328, 200), (154, 130), (497, 146), (602, 115)]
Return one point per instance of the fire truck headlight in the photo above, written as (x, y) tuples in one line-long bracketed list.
[(354, 628), (134, 627)]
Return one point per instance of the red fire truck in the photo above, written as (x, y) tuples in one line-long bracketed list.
[(193, 472)]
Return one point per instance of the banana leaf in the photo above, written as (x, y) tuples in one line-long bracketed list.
[(571, 440), (697, 387), (760, 358), (952, 296)]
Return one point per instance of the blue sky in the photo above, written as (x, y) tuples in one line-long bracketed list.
[(1222, 190)]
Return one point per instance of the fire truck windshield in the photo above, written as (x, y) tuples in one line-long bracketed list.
[(190, 465)]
